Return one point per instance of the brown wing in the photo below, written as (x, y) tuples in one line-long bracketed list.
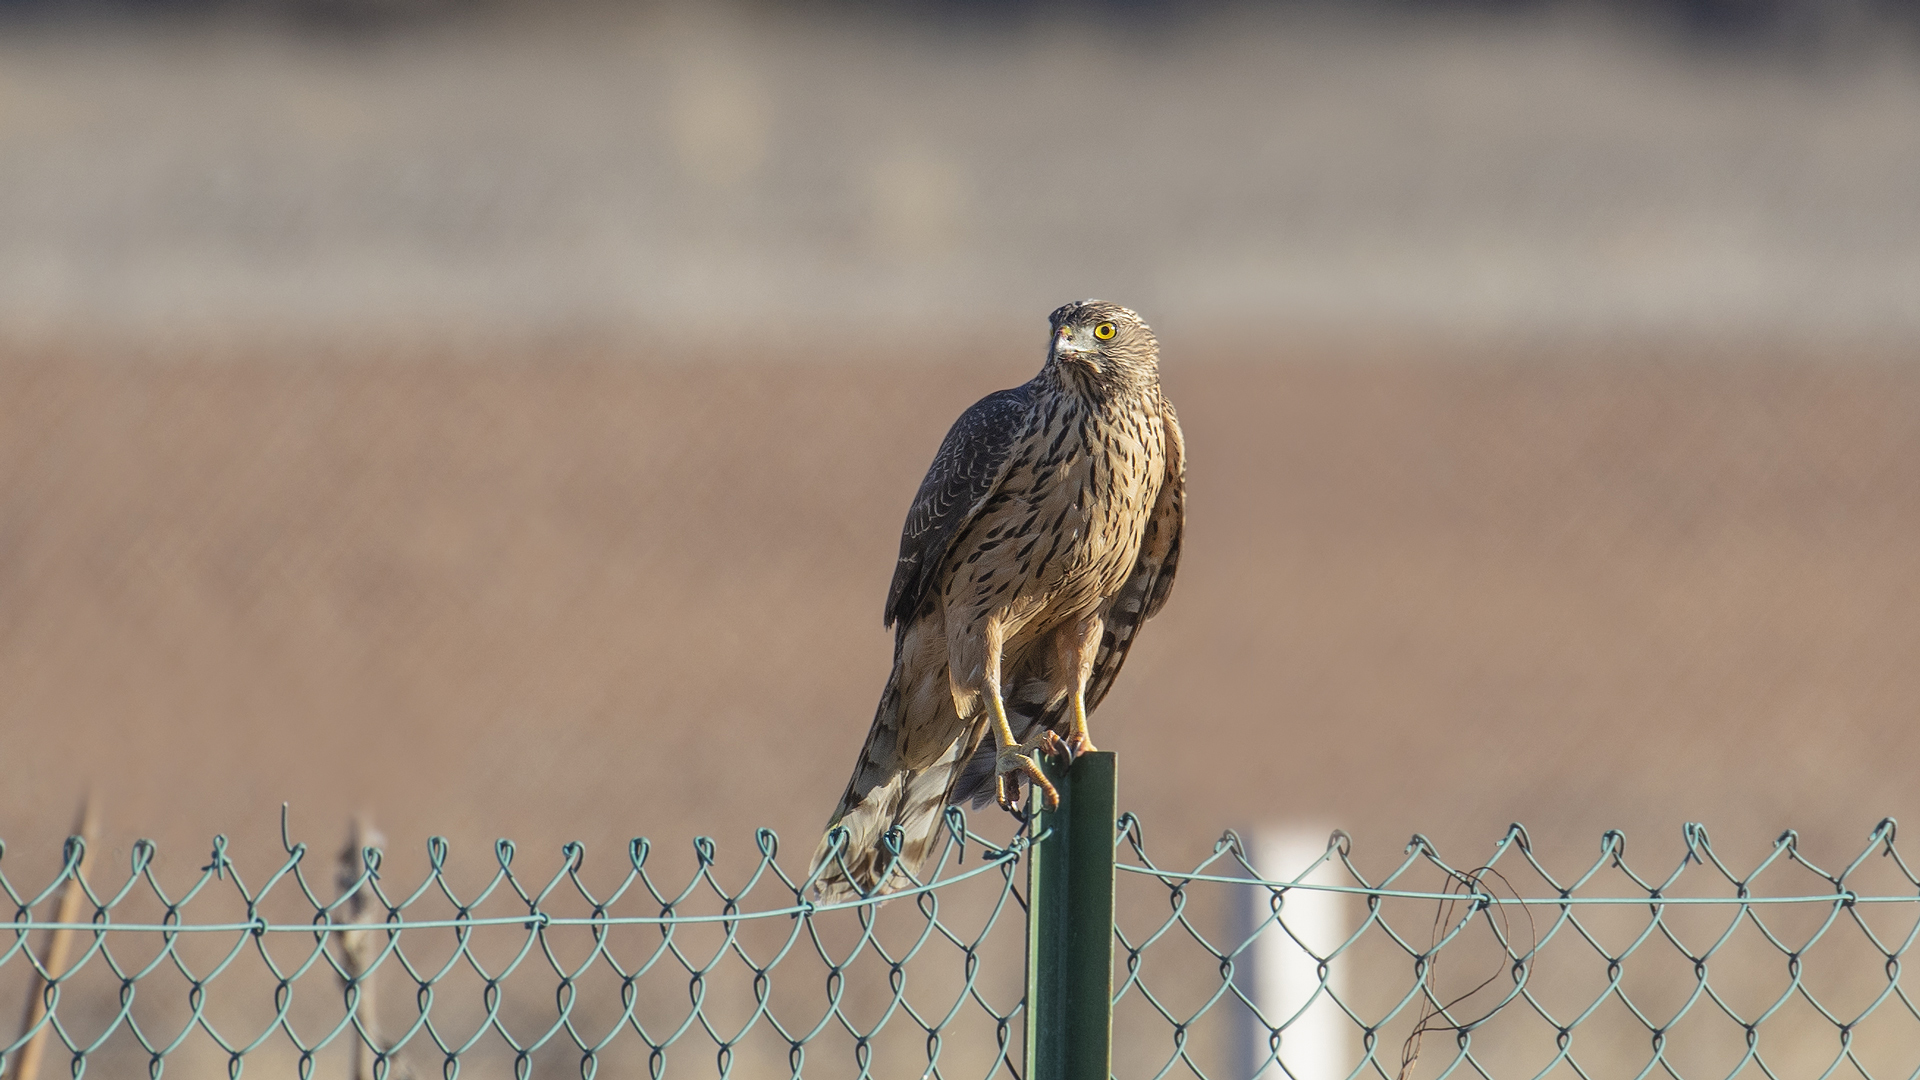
[(964, 472), (916, 742)]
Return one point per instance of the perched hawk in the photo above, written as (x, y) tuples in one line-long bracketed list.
[(1046, 531)]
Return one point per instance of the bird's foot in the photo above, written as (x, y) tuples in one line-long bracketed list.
[(1013, 762)]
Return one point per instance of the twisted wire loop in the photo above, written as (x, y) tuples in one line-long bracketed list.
[(1784, 968), (1787, 967), (499, 969)]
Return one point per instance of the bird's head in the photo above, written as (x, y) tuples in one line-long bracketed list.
[(1105, 343)]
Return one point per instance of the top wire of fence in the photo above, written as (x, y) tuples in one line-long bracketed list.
[(1788, 967), (1270, 958)]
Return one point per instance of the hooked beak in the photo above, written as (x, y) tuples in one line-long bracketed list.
[(1065, 345)]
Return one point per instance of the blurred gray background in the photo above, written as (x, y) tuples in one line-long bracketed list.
[(410, 167)]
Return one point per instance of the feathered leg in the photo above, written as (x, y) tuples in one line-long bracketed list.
[(1013, 758)]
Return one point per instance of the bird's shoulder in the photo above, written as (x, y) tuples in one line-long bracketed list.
[(964, 471)]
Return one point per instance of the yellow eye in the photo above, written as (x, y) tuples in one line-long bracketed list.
[(1105, 331)]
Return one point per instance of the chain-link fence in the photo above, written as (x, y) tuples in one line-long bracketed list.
[(1682, 967), (1235, 967), (321, 967)]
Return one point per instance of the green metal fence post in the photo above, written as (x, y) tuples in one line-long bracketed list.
[(1070, 927)]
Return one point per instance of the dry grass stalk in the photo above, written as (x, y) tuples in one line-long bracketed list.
[(359, 948), (27, 1065)]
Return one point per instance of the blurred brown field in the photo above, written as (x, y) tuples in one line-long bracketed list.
[(497, 420), (581, 592)]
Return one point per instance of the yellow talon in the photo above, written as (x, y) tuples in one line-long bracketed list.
[(1079, 740), (1013, 760)]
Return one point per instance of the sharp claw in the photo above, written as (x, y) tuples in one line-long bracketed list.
[(1047, 790), (1053, 745), (1007, 792), (1050, 795)]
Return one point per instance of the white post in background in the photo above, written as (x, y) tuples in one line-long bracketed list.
[(1322, 1043)]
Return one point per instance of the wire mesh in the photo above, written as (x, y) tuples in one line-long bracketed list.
[(1786, 968), (525, 973), (1433, 969)]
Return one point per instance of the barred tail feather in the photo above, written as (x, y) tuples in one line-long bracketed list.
[(884, 796)]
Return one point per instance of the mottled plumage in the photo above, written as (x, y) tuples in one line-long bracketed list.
[(1046, 531)]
